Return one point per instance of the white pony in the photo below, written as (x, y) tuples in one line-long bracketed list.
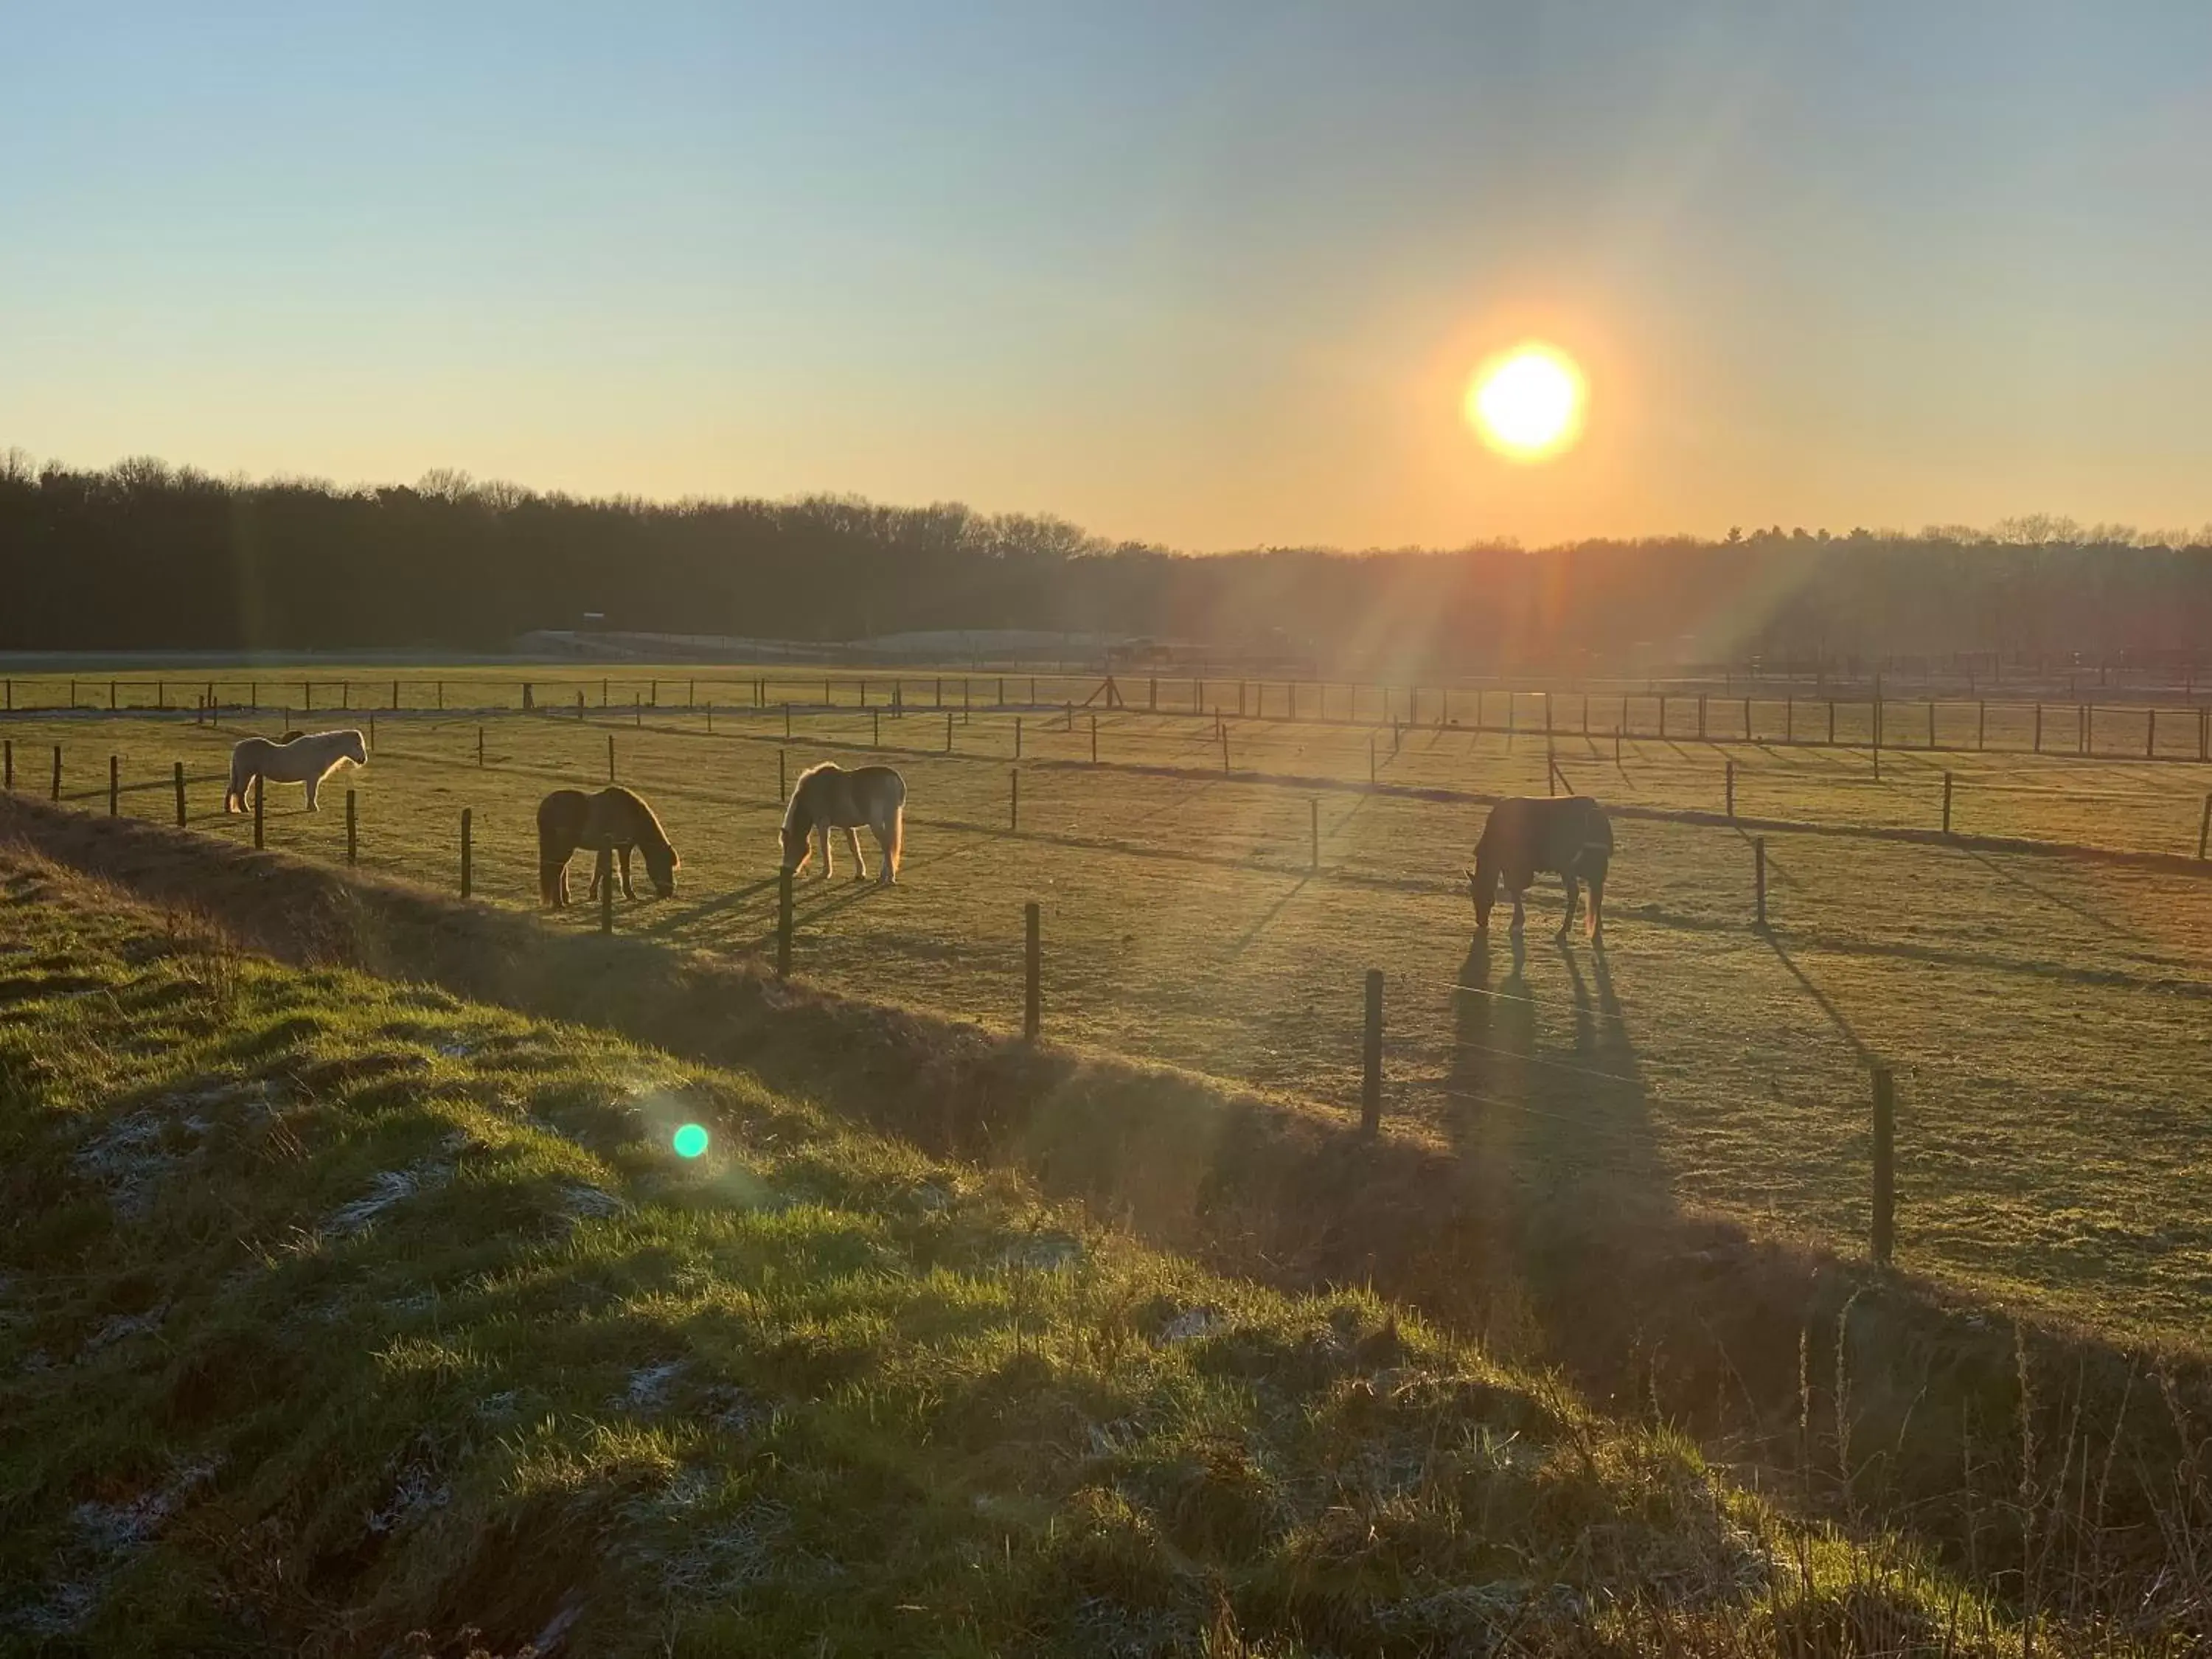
[(306, 759), (827, 797)]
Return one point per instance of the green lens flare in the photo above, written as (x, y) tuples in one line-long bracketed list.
[(690, 1140)]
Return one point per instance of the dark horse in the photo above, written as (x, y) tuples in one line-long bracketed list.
[(613, 821), (1569, 836)]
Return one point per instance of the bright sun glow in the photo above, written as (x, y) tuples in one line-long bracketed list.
[(1527, 403)]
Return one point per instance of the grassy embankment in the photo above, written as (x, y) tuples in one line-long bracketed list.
[(2043, 1012), (334, 1310)]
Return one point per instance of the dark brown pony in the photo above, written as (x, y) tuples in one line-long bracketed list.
[(1572, 837), (609, 823)]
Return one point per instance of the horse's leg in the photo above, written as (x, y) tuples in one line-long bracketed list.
[(860, 864), (602, 872), (313, 782), (829, 860), (1520, 917), (628, 892), (1597, 910), (885, 874), (1567, 921)]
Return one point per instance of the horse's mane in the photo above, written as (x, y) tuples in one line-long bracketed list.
[(649, 829), (791, 814)]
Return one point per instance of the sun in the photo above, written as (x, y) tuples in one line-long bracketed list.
[(1527, 404)]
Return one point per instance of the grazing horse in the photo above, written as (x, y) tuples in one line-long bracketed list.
[(612, 822), (827, 797), (305, 758), (1569, 836)]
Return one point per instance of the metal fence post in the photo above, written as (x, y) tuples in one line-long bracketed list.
[(1946, 803), (468, 818), (176, 772), (114, 784)]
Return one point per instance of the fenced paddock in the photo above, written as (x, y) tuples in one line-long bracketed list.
[(2044, 1013)]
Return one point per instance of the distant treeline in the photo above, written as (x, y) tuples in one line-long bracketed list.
[(144, 557)]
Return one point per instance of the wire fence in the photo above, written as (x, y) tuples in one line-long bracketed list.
[(1637, 1077)]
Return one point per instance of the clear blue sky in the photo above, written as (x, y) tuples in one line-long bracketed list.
[(1213, 274)]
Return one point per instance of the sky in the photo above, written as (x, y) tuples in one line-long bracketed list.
[(1209, 275)]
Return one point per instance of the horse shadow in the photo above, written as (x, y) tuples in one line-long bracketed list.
[(1554, 1132)]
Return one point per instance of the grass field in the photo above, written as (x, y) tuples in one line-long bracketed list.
[(341, 1317), (2044, 1013)]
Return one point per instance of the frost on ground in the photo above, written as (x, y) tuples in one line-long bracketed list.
[(1042, 1252), (649, 1384), (388, 1187), (417, 1492), (132, 1156), (108, 1535), (121, 1328), (1189, 1325), (579, 1199)]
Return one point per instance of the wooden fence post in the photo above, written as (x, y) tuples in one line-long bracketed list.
[(9, 747), (1017, 736), (1551, 766), (479, 748), (876, 728), (177, 775), (1032, 971), (395, 696), (1759, 879), (1731, 789), (1832, 722), (2038, 728), (1885, 1164), (260, 800), (1014, 799), (1370, 1058), (610, 758), (1931, 723), (783, 923), (1946, 803), (57, 772), (1981, 725), (1094, 739), (2204, 827), (353, 841), (115, 783), (786, 720), (782, 788), (1225, 749), (2151, 734), (468, 819), (948, 731), (1370, 757), (1616, 747)]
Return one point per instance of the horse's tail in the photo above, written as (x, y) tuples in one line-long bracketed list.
[(896, 850), (233, 799)]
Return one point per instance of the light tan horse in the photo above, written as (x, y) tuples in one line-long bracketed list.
[(612, 822), (308, 759), (827, 797)]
